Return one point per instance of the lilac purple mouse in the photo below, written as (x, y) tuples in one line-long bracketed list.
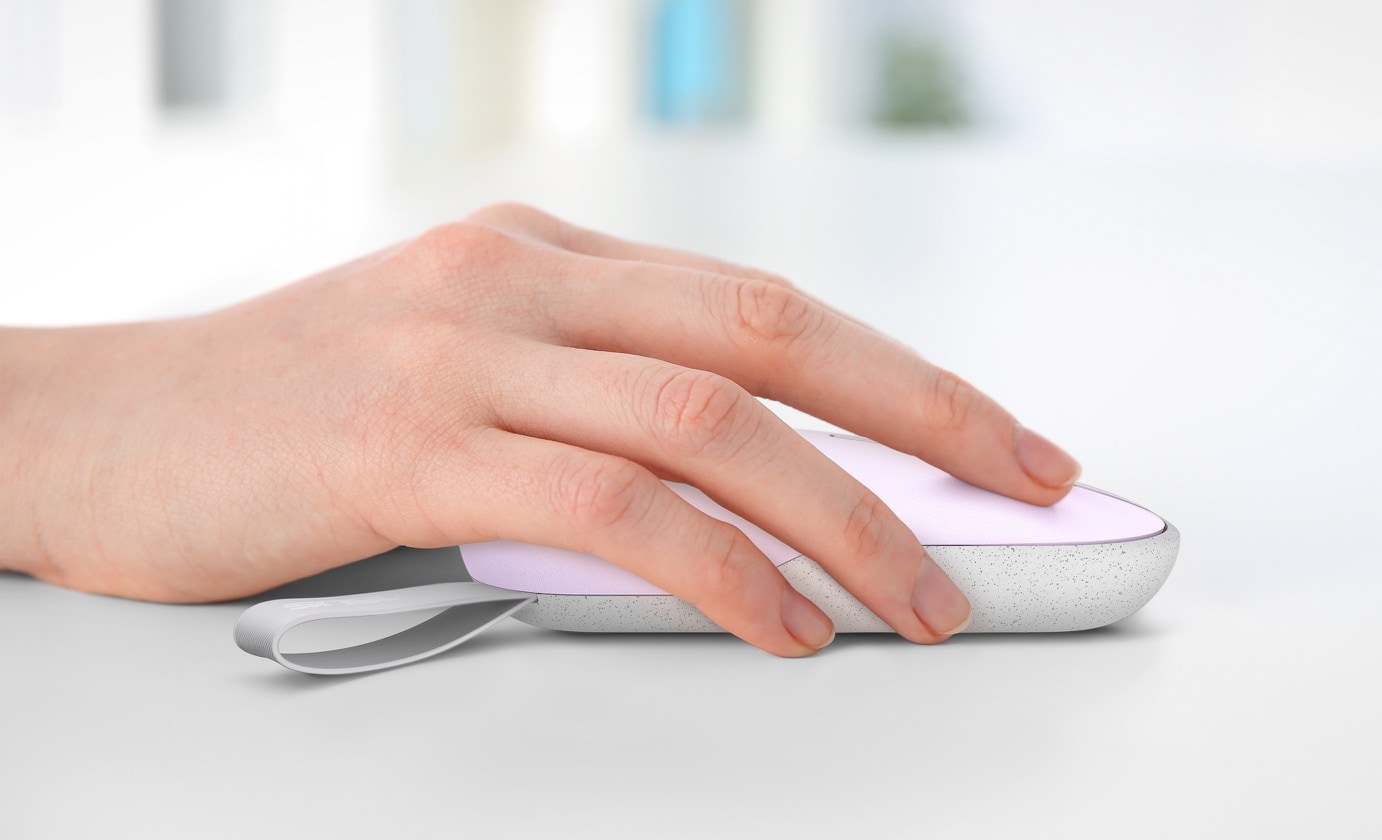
[(1089, 560)]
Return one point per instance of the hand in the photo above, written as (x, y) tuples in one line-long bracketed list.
[(506, 376)]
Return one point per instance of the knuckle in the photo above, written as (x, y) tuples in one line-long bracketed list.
[(772, 312), (598, 492), (467, 243), (506, 211), (697, 412), (866, 528), (949, 401), (728, 563)]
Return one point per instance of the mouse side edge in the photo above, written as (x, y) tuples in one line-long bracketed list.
[(1013, 589)]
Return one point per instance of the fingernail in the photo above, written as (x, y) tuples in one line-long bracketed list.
[(1043, 461), (938, 602), (805, 621)]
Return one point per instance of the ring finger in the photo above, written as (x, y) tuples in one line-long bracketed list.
[(704, 429)]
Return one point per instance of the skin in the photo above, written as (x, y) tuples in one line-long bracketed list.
[(510, 375)]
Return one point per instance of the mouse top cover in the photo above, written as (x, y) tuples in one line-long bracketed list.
[(940, 509)]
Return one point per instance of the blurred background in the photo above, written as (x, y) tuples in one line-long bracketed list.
[(1150, 228), (165, 155)]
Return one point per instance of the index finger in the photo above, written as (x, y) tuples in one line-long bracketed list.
[(788, 346), (780, 344)]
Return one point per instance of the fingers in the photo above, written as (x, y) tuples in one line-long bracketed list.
[(550, 493), (779, 344), (704, 429), (524, 221)]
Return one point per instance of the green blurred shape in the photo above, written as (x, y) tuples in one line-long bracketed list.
[(921, 88)]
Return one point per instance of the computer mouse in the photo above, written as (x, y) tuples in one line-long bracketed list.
[(1089, 560)]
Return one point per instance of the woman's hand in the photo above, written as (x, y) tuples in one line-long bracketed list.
[(506, 376)]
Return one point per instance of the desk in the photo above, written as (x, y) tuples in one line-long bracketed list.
[(1203, 338)]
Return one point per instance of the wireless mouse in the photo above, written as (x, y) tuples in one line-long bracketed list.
[(1089, 560)]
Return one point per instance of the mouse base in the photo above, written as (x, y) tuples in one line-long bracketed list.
[(1012, 589)]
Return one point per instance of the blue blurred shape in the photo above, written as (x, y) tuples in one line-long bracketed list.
[(698, 62)]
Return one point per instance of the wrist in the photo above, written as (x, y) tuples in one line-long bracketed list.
[(41, 411)]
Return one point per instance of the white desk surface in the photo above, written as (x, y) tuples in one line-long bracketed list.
[(1204, 340)]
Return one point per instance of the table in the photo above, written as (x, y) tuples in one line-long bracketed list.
[(1203, 336)]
